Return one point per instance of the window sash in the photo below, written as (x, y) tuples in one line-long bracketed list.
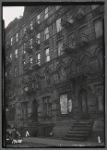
[(47, 106), (12, 41), (16, 37), (57, 7), (98, 28), (46, 13), (15, 71), (31, 60), (46, 33), (60, 48), (38, 19), (31, 25), (58, 25), (11, 56), (38, 38), (16, 53)]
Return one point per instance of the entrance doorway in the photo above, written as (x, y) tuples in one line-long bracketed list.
[(35, 110), (24, 110), (82, 97)]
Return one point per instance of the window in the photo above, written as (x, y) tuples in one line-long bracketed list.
[(23, 63), (83, 35), (5, 74), (16, 37), (57, 7), (47, 55), (15, 71), (24, 48), (23, 51), (31, 43), (38, 38), (61, 74), (11, 56), (31, 25), (10, 71), (100, 97), (47, 106), (46, 33), (65, 103), (60, 48), (38, 58), (94, 6), (24, 30), (70, 18), (16, 53), (31, 60), (46, 13), (11, 41), (58, 25), (98, 28), (47, 78), (38, 19)]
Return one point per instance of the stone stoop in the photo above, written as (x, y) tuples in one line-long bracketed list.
[(80, 130)]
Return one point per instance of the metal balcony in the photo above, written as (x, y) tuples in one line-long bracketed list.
[(29, 90), (59, 35), (29, 50), (23, 56), (79, 41), (30, 67), (27, 68), (46, 42), (80, 14), (35, 66), (29, 31), (24, 38), (8, 47), (36, 46), (8, 63), (36, 25), (66, 24)]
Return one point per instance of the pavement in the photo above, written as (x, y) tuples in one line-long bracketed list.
[(61, 143)]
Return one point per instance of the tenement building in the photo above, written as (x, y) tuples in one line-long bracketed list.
[(54, 70)]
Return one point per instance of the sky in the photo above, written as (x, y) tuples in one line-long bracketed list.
[(12, 12)]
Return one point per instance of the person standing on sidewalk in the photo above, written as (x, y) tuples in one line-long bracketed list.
[(27, 134)]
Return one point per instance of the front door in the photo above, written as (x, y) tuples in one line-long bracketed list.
[(35, 110), (83, 104), (24, 110)]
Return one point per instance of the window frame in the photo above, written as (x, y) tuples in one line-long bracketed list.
[(46, 33), (38, 60), (46, 13), (38, 18), (47, 56), (47, 106), (58, 27), (97, 35), (15, 71), (11, 41), (17, 37), (16, 53), (61, 51), (31, 25), (38, 38)]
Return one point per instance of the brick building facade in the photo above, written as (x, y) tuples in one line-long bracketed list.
[(55, 68)]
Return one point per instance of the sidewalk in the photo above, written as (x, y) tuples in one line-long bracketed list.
[(61, 143)]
